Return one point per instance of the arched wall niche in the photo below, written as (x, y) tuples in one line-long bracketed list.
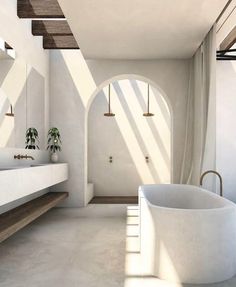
[(128, 137)]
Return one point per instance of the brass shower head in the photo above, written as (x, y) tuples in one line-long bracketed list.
[(148, 115), (109, 115)]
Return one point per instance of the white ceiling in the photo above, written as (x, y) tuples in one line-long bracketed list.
[(140, 29)]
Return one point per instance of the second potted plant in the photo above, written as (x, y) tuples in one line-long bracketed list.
[(54, 143)]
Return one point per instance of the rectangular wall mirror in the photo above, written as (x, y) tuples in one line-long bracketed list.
[(22, 96)]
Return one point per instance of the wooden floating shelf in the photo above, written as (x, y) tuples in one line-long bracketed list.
[(56, 33), (39, 9), (15, 219), (59, 42), (51, 27)]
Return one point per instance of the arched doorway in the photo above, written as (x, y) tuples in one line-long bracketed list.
[(139, 147)]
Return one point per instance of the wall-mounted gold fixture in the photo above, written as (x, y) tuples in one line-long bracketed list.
[(110, 159), (109, 114), (11, 114), (147, 159), (148, 114), (20, 156)]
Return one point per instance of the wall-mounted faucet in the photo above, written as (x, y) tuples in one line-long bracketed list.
[(147, 159), (20, 156), (110, 159), (215, 172)]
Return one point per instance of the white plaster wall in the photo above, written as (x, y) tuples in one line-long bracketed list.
[(226, 128), (128, 138), (74, 81), (171, 76), (17, 33), (225, 109), (70, 87)]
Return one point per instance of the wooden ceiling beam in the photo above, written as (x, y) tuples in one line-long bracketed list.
[(229, 40), (7, 46), (39, 9), (59, 42), (52, 27)]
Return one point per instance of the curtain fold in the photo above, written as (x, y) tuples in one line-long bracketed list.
[(199, 150)]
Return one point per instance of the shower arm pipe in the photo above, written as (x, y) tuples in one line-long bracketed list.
[(109, 98)]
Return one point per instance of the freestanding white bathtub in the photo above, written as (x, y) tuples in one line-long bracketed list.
[(187, 234)]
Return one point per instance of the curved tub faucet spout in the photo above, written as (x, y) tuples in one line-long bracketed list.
[(220, 178)]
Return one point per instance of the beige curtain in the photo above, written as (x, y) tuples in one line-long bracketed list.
[(199, 152)]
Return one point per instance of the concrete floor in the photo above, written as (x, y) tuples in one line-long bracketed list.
[(88, 247)]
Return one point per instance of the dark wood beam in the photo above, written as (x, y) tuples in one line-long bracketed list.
[(39, 9), (229, 40), (59, 42), (52, 27), (226, 58), (7, 46), (222, 59), (225, 51)]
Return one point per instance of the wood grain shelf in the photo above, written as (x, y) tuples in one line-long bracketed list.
[(39, 9), (15, 219), (59, 42), (50, 27), (114, 200)]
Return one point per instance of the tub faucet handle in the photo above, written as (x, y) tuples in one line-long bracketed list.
[(216, 173)]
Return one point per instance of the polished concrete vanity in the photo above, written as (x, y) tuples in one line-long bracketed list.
[(18, 182)]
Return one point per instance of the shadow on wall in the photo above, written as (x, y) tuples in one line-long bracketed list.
[(129, 138)]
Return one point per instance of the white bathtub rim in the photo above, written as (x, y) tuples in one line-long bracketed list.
[(228, 204)]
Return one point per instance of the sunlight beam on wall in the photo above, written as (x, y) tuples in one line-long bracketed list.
[(16, 75), (80, 74), (6, 129), (130, 139), (146, 132)]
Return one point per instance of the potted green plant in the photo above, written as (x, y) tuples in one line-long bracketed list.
[(54, 143), (32, 138)]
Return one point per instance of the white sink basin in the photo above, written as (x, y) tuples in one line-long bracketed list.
[(19, 181)]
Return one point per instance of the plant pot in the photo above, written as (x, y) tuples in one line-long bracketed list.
[(54, 157)]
